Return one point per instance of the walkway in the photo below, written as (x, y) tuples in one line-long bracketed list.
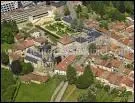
[(56, 91), (61, 92)]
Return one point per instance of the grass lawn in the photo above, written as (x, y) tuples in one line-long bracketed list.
[(6, 46), (37, 92), (71, 94)]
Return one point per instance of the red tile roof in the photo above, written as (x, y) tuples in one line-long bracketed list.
[(25, 44), (79, 68), (129, 56), (18, 36), (14, 56), (114, 78), (65, 62), (66, 40), (127, 81), (97, 71)]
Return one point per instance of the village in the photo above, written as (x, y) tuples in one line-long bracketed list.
[(54, 45)]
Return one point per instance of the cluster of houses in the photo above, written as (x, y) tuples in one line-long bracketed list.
[(42, 54)]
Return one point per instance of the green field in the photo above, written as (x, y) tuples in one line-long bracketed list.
[(37, 92), (71, 94)]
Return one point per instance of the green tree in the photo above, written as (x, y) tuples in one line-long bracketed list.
[(71, 74), (90, 96), (8, 30), (7, 85), (92, 48), (85, 80), (78, 10), (66, 11), (103, 24), (16, 67), (4, 58), (26, 68), (107, 88)]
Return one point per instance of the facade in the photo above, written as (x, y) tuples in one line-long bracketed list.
[(8, 6), (21, 14)]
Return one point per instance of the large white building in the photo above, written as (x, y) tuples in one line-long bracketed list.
[(8, 6)]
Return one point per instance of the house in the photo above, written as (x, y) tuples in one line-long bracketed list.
[(39, 41), (33, 57), (18, 37), (61, 68), (35, 78), (113, 79), (22, 46), (66, 45)]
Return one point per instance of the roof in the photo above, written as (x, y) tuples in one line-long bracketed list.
[(25, 44), (97, 71), (65, 62), (18, 36), (129, 56), (80, 39), (35, 77), (127, 81), (126, 71), (34, 53), (14, 56), (67, 19), (66, 40), (31, 59), (40, 40), (114, 78), (94, 33)]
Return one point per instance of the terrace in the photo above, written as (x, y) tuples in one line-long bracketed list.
[(58, 28)]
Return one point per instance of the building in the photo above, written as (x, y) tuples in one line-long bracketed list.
[(62, 66), (21, 14), (26, 3), (8, 6)]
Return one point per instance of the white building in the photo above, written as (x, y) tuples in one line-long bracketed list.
[(8, 6)]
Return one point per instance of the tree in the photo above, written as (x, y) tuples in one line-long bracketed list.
[(66, 11), (88, 74), (16, 67), (26, 68), (85, 80), (78, 10), (4, 58), (103, 24), (7, 85), (8, 31), (90, 96), (92, 48), (71, 74), (107, 88)]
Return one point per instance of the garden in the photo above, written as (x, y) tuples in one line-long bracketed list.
[(59, 28)]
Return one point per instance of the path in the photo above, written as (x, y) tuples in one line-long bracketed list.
[(61, 92), (57, 90)]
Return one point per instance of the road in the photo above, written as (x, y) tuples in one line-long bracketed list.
[(56, 91), (61, 92)]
